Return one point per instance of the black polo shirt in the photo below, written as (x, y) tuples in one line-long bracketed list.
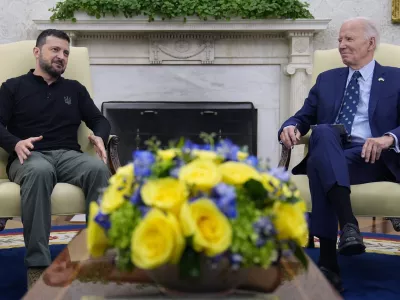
[(29, 107)]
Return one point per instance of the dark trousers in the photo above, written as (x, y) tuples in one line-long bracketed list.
[(37, 178), (330, 162)]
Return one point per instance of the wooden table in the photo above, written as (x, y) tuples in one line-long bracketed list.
[(74, 275)]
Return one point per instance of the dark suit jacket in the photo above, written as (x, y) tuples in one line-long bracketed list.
[(323, 103)]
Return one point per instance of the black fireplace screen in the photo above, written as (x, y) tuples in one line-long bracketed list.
[(136, 122)]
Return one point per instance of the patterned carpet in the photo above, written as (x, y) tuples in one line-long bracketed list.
[(13, 238), (378, 243)]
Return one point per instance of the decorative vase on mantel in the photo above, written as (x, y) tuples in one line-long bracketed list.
[(199, 218)]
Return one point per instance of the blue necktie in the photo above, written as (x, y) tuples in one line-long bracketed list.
[(350, 102)]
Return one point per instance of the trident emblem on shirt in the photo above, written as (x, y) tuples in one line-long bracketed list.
[(67, 100)]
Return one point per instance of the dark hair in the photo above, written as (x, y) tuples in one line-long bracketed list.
[(41, 40)]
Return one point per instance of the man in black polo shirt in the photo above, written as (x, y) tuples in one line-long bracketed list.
[(40, 113)]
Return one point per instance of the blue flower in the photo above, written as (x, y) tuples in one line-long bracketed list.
[(174, 172), (261, 242), (227, 150), (188, 146), (236, 260), (103, 220), (143, 160), (252, 161), (264, 227), (143, 210), (217, 258), (136, 198), (281, 173), (224, 196)]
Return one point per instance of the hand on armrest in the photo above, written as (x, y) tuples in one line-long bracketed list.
[(290, 136)]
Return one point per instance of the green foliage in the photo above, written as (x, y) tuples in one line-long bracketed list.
[(208, 138), (189, 265), (123, 222), (153, 144), (168, 9), (244, 238), (300, 255), (256, 191), (161, 169)]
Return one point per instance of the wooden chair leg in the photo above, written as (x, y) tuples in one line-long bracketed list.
[(373, 228), (311, 244)]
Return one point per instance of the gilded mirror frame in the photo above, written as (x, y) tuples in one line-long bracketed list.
[(396, 11)]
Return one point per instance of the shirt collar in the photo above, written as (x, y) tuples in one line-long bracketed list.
[(40, 78), (365, 71)]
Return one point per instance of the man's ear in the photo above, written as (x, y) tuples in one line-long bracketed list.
[(36, 52), (372, 44)]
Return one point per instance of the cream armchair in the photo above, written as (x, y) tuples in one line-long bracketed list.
[(16, 59), (370, 199)]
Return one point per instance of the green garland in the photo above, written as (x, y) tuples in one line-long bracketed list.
[(168, 9)]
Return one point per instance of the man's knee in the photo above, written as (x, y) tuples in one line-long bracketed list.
[(97, 167), (37, 169), (324, 130), (324, 133)]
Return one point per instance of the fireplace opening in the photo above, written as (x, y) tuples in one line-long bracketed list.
[(134, 122)]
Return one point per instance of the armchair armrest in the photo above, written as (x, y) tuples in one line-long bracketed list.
[(112, 154), (284, 161)]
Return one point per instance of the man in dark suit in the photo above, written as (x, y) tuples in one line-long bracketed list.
[(365, 98)]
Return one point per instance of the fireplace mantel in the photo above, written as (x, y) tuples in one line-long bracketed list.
[(273, 58), (87, 24)]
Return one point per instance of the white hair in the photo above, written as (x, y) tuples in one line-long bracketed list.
[(370, 28)]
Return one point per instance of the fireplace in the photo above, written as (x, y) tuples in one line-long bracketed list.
[(135, 122)]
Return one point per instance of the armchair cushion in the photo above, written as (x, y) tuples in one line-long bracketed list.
[(370, 199), (66, 199)]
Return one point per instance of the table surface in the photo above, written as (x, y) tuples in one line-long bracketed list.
[(74, 275)]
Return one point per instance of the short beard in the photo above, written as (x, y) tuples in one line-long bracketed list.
[(48, 68)]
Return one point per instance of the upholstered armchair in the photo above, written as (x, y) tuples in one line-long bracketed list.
[(16, 59), (378, 199)]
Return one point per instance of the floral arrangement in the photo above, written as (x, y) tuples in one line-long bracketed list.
[(172, 206)]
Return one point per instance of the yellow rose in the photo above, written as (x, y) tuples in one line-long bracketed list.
[(210, 228), (242, 155), (119, 188), (203, 174), (157, 240), (165, 193), (205, 154), (290, 222), (270, 183), (168, 154), (237, 173), (97, 241)]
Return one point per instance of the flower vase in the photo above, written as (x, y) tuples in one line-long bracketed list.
[(213, 279)]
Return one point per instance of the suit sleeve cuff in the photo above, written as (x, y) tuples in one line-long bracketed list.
[(395, 147)]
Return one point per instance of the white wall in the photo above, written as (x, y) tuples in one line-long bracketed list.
[(16, 16)]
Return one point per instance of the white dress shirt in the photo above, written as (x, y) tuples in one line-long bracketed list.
[(361, 129)]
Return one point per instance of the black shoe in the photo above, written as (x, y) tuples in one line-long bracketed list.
[(351, 241), (333, 278), (3, 222)]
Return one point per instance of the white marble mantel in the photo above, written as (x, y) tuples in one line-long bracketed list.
[(87, 23), (267, 62)]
